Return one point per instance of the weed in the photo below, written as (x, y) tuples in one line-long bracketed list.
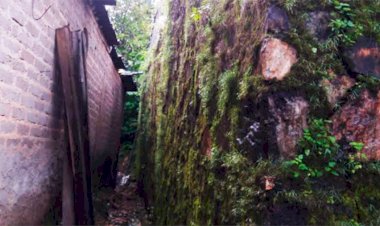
[(343, 23), (322, 155)]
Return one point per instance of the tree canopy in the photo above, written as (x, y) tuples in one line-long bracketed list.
[(132, 22)]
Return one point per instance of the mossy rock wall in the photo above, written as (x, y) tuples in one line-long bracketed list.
[(208, 124)]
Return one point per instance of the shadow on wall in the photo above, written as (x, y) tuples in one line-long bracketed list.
[(31, 166)]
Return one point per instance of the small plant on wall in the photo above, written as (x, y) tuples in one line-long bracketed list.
[(343, 23), (321, 154)]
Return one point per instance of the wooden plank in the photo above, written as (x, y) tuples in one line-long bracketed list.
[(71, 67), (63, 51), (79, 84)]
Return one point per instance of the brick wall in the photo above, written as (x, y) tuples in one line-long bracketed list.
[(31, 126)]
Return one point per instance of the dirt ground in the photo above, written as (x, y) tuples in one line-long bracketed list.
[(122, 205)]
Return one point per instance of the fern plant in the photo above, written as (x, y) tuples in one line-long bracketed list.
[(343, 25), (290, 4), (322, 155)]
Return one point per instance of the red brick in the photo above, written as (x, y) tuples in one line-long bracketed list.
[(5, 24), (11, 45), (35, 90), (27, 56), (19, 66), (5, 76), (22, 84), (23, 129), (7, 127), (39, 106), (18, 113), (36, 132), (5, 110), (43, 119), (32, 117), (27, 142), (17, 17), (32, 29), (3, 57), (12, 142), (27, 101), (46, 96), (9, 94)]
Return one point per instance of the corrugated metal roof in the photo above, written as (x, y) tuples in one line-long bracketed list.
[(117, 60), (104, 22), (105, 2), (110, 36)]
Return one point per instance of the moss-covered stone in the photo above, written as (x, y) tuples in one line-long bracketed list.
[(203, 76)]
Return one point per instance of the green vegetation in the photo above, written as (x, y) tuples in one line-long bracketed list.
[(129, 128), (343, 23), (131, 20), (370, 83), (321, 154)]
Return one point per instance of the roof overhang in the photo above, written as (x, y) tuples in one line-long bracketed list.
[(117, 60), (128, 84), (104, 2), (111, 39), (104, 22)]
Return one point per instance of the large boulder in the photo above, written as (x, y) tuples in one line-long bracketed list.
[(276, 58), (290, 119), (364, 57), (277, 20), (336, 88), (318, 24), (359, 121)]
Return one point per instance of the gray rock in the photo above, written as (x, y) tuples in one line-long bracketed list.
[(277, 20), (337, 88), (364, 57), (290, 119), (318, 24)]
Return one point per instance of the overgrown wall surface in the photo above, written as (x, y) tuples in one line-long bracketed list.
[(31, 107), (231, 87)]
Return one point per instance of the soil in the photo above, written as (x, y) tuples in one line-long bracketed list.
[(122, 205)]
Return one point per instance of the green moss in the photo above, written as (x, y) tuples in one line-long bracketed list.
[(367, 13), (227, 89)]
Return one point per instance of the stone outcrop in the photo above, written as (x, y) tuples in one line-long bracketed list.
[(336, 88), (359, 121), (276, 59), (318, 24), (290, 114), (364, 57), (251, 73)]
